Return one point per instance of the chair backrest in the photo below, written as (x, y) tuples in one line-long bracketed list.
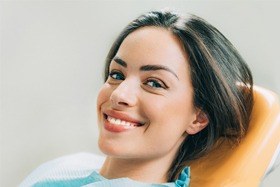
[(247, 163)]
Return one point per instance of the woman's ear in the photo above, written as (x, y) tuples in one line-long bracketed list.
[(200, 122)]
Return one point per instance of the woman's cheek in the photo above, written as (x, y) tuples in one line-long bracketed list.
[(103, 95)]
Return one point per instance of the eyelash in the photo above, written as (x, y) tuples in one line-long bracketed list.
[(114, 72), (156, 83)]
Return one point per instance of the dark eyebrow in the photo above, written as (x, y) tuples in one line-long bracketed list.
[(121, 62), (157, 67)]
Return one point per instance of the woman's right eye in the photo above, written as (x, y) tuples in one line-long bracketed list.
[(116, 75)]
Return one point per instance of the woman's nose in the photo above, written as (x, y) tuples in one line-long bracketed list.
[(125, 95)]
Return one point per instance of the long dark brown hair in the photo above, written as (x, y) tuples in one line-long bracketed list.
[(221, 80)]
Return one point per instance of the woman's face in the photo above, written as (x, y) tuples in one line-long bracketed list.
[(146, 106)]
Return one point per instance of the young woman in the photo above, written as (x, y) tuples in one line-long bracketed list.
[(174, 86)]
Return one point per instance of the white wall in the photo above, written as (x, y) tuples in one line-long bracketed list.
[(52, 54)]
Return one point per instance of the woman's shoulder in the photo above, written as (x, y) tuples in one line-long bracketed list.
[(184, 178), (70, 167)]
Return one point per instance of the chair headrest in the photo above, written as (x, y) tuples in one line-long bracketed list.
[(255, 155)]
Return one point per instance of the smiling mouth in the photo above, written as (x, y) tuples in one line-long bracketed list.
[(120, 122)]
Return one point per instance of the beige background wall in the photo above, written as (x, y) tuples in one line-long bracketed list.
[(52, 54)]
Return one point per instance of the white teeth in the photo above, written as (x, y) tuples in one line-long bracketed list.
[(119, 122)]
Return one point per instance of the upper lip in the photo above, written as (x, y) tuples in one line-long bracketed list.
[(122, 116)]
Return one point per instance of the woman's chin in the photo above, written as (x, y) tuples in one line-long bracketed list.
[(108, 148)]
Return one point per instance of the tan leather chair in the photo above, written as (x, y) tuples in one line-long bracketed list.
[(246, 164)]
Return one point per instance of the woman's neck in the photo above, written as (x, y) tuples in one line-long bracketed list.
[(150, 171)]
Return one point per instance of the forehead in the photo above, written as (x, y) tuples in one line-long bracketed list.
[(153, 45)]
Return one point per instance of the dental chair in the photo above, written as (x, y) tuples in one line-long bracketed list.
[(245, 165)]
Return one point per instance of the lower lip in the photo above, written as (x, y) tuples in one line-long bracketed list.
[(117, 128)]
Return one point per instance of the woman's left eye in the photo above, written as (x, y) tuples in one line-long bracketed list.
[(155, 84)]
